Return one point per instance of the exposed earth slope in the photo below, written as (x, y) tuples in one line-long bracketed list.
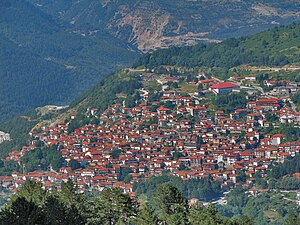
[(162, 23)]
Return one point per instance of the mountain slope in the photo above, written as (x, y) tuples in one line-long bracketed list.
[(162, 23), (276, 47), (116, 87), (27, 81), (58, 49), (43, 62)]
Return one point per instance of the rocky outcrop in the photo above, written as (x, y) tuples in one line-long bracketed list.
[(147, 29), (158, 24), (151, 24), (141, 27)]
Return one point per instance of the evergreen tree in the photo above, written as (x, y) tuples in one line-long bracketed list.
[(172, 207), (146, 216), (32, 192), (22, 212), (114, 207)]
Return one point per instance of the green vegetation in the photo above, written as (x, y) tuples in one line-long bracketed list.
[(266, 208), (270, 208), (290, 132), (276, 47), (105, 93), (18, 128), (33, 205), (204, 189), (8, 167), (281, 176), (42, 159), (44, 62), (296, 99), (228, 103), (288, 167)]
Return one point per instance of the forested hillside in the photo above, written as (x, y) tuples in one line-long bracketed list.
[(43, 62), (28, 81), (276, 47)]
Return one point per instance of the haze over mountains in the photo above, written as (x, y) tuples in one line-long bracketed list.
[(52, 51), (44, 62), (152, 24)]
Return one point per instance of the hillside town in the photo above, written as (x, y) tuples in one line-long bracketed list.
[(179, 134)]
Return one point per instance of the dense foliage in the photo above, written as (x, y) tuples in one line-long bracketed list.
[(296, 98), (204, 189), (104, 93), (266, 208), (42, 159), (276, 47), (33, 205), (288, 167), (18, 128), (290, 132), (228, 103)]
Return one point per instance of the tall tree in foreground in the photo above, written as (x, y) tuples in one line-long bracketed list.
[(22, 212), (32, 192), (113, 207), (172, 207), (146, 215)]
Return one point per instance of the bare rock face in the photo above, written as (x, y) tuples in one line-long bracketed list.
[(151, 24), (4, 137), (147, 27), (144, 26)]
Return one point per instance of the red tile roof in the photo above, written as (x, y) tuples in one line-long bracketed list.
[(223, 85)]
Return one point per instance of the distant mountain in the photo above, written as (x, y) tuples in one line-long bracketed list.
[(150, 24), (45, 62), (55, 50)]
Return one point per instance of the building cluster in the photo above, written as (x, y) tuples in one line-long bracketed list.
[(187, 140)]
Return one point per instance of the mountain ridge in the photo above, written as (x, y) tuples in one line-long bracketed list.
[(154, 24), (43, 62), (78, 42)]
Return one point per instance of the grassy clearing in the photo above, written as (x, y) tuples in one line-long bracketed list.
[(185, 87)]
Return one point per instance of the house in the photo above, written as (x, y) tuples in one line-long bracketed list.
[(267, 104), (223, 88), (276, 139)]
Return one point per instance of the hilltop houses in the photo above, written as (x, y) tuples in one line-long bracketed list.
[(176, 135)]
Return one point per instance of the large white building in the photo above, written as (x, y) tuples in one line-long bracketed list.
[(223, 88)]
